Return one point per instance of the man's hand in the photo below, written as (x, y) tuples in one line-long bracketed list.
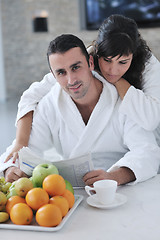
[(96, 175), (122, 175), (13, 173)]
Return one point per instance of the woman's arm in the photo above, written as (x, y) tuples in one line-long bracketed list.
[(34, 94), (22, 135), (122, 87), (26, 106)]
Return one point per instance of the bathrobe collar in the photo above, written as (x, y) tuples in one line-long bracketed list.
[(99, 118)]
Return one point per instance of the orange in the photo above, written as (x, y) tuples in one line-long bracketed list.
[(54, 184), (37, 197), (60, 202), (21, 214), (49, 215), (70, 197), (12, 201)]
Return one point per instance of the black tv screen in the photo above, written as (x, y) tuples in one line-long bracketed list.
[(145, 12)]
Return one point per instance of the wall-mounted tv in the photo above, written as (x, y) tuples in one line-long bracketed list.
[(145, 12)]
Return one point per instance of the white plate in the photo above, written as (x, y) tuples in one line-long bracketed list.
[(119, 200), (36, 227)]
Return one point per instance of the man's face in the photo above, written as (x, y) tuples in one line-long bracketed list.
[(73, 73)]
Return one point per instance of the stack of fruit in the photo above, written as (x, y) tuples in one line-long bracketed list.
[(47, 195)]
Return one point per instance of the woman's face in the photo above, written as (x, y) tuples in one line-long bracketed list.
[(113, 69)]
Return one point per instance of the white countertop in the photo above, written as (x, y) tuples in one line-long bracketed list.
[(138, 219)]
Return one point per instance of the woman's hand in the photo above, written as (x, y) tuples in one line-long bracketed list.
[(14, 153)]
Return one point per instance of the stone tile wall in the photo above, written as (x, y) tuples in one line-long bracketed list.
[(25, 51)]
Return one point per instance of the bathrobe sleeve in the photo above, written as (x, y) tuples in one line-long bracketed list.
[(40, 137), (143, 106), (143, 155), (34, 94)]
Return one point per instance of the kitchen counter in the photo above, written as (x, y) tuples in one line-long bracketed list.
[(137, 219)]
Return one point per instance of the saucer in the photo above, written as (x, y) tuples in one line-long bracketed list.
[(118, 201)]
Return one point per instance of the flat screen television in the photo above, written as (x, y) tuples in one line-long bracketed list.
[(145, 12)]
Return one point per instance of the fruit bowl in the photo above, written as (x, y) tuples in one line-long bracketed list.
[(35, 227)]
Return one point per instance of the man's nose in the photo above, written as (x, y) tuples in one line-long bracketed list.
[(71, 78)]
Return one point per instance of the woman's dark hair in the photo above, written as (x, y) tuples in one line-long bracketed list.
[(117, 36)]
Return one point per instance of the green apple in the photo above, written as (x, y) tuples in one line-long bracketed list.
[(3, 200), (22, 186), (12, 185), (11, 191), (69, 186), (34, 185), (41, 171)]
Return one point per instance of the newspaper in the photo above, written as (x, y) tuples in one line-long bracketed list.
[(72, 170)]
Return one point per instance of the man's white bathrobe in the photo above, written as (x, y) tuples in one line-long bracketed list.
[(113, 140)]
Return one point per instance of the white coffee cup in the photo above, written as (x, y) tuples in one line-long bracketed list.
[(105, 191)]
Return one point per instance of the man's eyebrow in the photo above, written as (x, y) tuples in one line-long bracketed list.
[(75, 64), (59, 70), (71, 66)]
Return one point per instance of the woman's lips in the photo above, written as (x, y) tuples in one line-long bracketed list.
[(111, 75)]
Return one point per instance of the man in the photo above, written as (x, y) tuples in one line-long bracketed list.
[(80, 115)]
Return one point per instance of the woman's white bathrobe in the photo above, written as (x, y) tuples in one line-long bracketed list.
[(114, 140)]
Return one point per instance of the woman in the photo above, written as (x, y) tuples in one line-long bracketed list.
[(123, 58)]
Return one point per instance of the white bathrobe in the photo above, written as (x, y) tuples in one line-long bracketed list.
[(113, 140), (147, 114), (143, 107)]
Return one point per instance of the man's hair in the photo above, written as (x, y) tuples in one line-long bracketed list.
[(65, 42)]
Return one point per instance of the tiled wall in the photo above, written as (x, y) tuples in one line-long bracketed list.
[(25, 51)]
